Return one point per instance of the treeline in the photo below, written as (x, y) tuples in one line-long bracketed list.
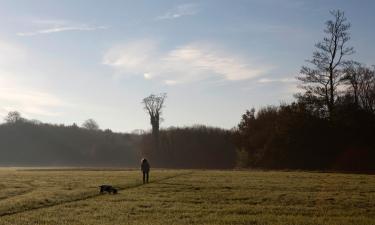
[(291, 136), (31, 143), (190, 147)]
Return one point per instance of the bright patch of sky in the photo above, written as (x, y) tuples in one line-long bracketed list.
[(67, 61)]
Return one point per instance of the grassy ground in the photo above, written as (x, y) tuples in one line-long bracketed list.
[(186, 197)]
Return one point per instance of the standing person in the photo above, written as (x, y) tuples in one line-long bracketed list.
[(145, 167)]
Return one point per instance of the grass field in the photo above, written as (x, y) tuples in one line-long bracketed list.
[(185, 197)]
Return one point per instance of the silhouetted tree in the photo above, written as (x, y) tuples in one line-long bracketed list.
[(14, 117), (153, 105), (90, 124), (321, 80), (361, 80)]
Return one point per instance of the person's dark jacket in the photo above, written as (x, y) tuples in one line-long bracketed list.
[(145, 166)]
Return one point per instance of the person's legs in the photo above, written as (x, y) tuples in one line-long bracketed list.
[(144, 177), (147, 176)]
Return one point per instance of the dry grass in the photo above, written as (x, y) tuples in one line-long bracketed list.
[(186, 197)]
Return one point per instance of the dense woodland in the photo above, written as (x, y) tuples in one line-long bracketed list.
[(26, 143), (293, 137), (191, 147), (30, 143), (329, 126)]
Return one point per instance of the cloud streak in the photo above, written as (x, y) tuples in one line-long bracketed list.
[(188, 63), (279, 80), (56, 26), (179, 11)]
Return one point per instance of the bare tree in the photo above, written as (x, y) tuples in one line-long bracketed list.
[(90, 124), (14, 117), (352, 78), (367, 88), (326, 74), (153, 105), (361, 80)]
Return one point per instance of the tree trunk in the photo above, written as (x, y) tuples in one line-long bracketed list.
[(331, 101), (155, 130)]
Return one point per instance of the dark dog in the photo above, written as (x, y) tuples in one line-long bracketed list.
[(107, 188)]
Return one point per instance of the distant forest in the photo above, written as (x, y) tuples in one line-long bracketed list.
[(29, 143), (329, 126), (32, 143)]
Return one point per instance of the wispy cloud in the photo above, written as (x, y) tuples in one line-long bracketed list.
[(179, 11), (277, 80), (184, 64), (55, 26), (287, 86)]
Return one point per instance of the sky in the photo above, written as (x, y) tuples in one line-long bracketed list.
[(63, 62)]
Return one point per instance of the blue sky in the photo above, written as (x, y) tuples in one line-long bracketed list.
[(67, 61)]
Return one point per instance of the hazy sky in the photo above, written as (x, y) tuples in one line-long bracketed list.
[(67, 61)]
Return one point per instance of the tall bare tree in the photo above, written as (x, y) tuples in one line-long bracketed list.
[(326, 74), (352, 78), (361, 81), (153, 105)]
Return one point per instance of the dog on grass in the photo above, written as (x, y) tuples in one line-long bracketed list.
[(107, 188)]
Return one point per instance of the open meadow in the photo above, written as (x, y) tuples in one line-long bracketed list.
[(70, 196)]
